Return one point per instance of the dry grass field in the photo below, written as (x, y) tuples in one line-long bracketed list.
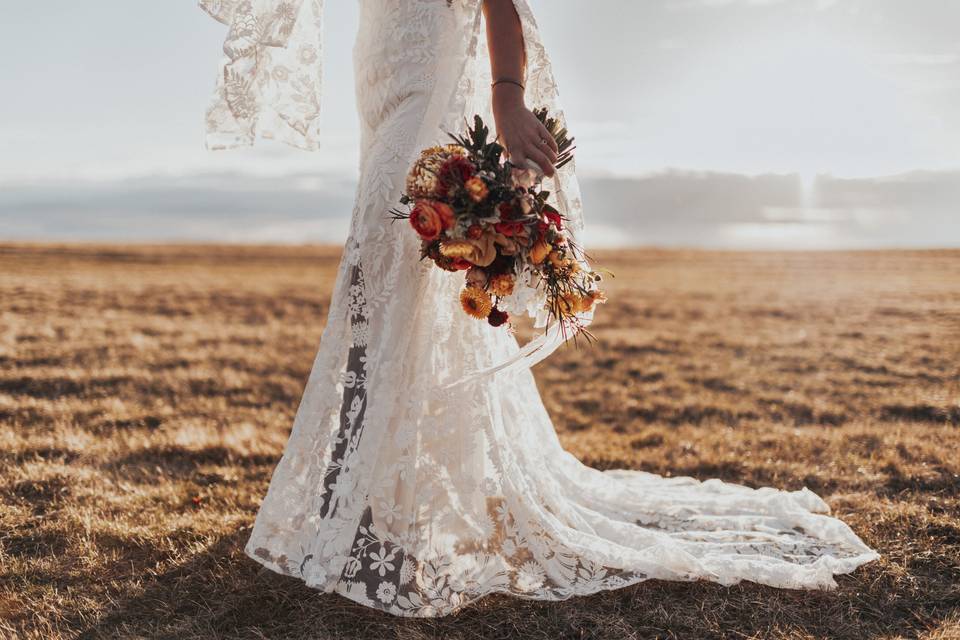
[(146, 393)]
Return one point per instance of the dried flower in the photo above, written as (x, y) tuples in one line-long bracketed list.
[(454, 173), (570, 303), (456, 248), (476, 277), (553, 217), (480, 252), (508, 246), (592, 299), (476, 302), (523, 178), (476, 189), (557, 260), (502, 285), (423, 181), (497, 318), (526, 204), (539, 251), (509, 228)]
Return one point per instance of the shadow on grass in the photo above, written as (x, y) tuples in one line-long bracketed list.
[(220, 593), (177, 460)]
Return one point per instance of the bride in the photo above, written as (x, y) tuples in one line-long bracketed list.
[(415, 500)]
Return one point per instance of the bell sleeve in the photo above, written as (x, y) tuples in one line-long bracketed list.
[(269, 85)]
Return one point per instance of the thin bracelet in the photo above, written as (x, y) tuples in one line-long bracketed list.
[(508, 81)]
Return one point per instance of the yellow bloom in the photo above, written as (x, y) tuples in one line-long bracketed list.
[(456, 248), (501, 285), (476, 302)]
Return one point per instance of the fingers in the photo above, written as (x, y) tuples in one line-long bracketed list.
[(541, 145), (545, 134), (517, 157), (540, 157), (534, 144)]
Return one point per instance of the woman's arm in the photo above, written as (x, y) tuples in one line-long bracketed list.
[(520, 132)]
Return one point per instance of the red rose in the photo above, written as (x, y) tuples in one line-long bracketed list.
[(506, 211), (453, 173), (498, 318), (508, 229), (474, 232), (553, 216), (461, 264)]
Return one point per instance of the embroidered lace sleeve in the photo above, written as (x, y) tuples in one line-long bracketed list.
[(269, 84)]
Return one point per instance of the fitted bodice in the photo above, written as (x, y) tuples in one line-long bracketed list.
[(400, 49)]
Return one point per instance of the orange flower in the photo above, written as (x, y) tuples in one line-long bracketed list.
[(501, 285), (539, 251), (447, 216), (476, 302), (430, 219), (556, 260), (569, 304), (476, 189)]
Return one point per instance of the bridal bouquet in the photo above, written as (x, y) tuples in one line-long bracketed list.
[(478, 213)]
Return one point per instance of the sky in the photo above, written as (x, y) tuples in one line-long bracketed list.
[(112, 91)]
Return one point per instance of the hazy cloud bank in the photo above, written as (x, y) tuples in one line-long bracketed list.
[(668, 208)]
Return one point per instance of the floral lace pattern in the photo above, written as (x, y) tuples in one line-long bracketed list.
[(269, 84), (416, 502)]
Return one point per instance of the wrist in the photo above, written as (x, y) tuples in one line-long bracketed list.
[(507, 95)]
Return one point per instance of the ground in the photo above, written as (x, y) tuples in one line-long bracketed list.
[(147, 392)]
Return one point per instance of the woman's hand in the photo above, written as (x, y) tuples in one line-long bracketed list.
[(520, 132)]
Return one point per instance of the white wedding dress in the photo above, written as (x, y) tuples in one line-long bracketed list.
[(417, 500)]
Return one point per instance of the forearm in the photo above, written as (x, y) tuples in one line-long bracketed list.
[(506, 45), (523, 136)]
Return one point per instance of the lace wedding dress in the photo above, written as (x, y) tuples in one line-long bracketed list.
[(414, 499)]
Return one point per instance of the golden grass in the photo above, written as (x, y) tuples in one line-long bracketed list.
[(146, 393)]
